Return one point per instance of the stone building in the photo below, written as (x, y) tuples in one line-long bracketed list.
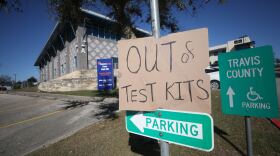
[(67, 62)]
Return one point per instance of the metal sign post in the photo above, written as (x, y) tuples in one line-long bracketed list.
[(164, 147), (249, 136), (155, 18), (252, 73)]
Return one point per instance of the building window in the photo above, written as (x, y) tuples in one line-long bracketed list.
[(242, 46), (101, 33), (95, 31), (118, 37), (75, 61), (107, 34), (113, 37), (217, 52), (62, 69), (115, 62)]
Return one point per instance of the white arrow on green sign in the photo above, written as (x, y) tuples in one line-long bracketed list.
[(230, 94), (189, 129)]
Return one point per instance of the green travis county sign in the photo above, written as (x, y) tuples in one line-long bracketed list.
[(189, 129), (248, 86)]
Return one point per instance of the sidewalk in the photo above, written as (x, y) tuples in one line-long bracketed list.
[(69, 98)]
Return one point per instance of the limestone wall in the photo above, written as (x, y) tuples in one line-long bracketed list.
[(77, 80)]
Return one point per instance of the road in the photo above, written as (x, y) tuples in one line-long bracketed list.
[(28, 123)]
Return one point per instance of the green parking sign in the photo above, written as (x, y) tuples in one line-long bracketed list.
[(188, 129), (248, 86)]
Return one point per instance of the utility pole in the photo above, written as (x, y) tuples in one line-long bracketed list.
[(15, 81), (15, 78)]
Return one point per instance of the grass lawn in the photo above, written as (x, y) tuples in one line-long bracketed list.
[(109, 137), (28, 89)]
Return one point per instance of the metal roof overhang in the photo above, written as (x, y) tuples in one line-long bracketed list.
[(101, 19), (48, 44)]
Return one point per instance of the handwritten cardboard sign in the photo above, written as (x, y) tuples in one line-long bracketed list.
[(165, 73)]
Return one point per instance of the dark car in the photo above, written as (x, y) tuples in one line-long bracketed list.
[(2, 88)]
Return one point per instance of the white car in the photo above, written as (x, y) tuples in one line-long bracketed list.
[(214, 74), (5, 88)]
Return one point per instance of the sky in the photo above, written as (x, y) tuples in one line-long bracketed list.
[(23, 35)]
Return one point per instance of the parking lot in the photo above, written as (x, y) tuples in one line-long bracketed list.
[(28, 123)]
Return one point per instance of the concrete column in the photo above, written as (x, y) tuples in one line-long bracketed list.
[(52, 63), (44, 72), (58, 64), (40, 72), (81, 55), (49, 71), (67, 46)]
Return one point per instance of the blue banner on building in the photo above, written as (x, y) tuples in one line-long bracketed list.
[(105, 74)]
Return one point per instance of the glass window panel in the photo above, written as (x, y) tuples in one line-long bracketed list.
[(101, 33), (107, 34), (95, 31)]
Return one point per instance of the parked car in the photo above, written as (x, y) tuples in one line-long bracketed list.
[(8, 87), (214, 74), (3, 88)]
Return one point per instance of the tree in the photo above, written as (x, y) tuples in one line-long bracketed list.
[(17, 85), (66, 10), (8, 5), (31, 81), (125, 12), (5, 80)]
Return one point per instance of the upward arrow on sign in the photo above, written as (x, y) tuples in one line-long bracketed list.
[(230, 94)]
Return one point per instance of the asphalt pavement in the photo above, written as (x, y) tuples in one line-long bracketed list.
[(28, 123)]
